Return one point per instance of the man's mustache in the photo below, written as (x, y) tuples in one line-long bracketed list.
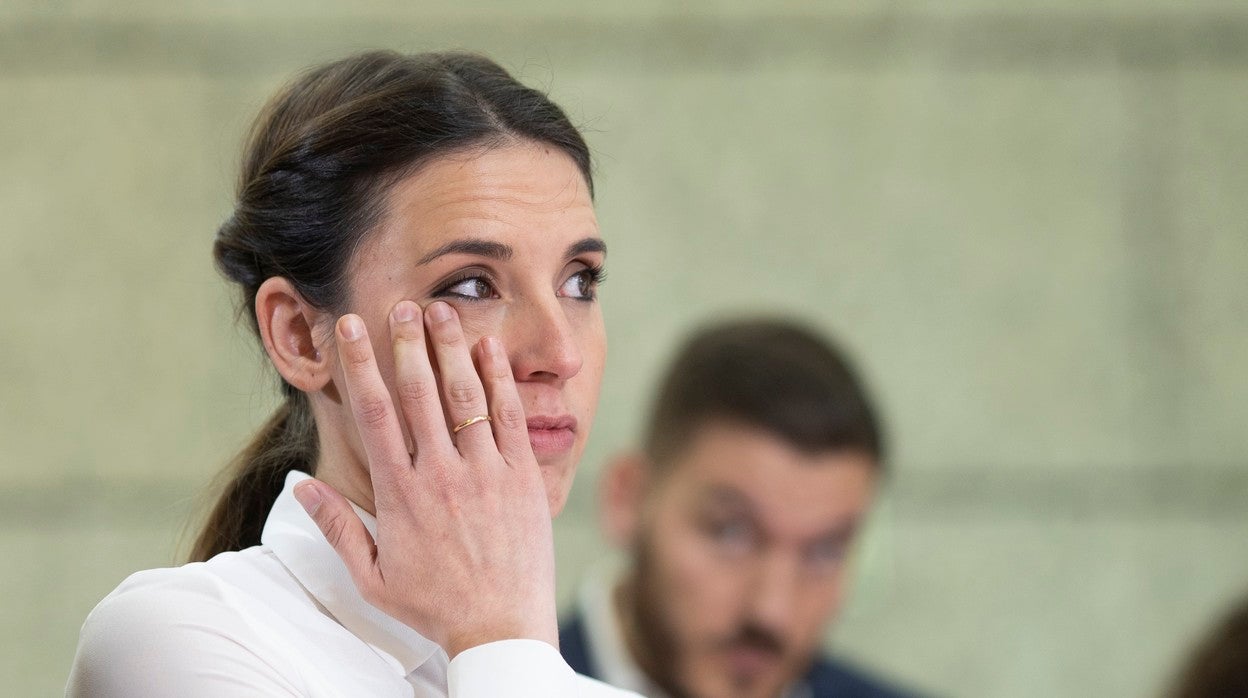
[(754, 638)]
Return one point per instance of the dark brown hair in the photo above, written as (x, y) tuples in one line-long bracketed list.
[(320, 160), (1219, 665), (776, 375)]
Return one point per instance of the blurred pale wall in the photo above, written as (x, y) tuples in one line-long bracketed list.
[(1026, 219)]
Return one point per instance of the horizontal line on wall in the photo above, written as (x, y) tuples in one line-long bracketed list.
[(120, 503), (1189, 493), (259, 47)]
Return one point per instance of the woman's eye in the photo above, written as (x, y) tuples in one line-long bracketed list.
[(475, 287), (582, 285)]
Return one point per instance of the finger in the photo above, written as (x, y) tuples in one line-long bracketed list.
[(342, 527), (372, 408), (462, 394), (511, 432), (414, 382)]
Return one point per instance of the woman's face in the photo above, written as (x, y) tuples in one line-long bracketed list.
[(507, 236)]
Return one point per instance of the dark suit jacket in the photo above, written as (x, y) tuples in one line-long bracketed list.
[(828, 678)]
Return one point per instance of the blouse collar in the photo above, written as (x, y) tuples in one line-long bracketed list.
[(296, 541)]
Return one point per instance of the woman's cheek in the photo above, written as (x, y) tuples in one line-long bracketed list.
[(591, 333), (481, 320)]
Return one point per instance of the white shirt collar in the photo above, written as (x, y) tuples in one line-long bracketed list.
[(296, 541), (605, 636)]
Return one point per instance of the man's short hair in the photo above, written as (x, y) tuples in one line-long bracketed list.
[(776, 375)]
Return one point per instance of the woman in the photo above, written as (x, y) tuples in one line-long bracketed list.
[(416, 246)]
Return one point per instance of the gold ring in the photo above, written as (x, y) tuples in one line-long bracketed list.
[(469, 422)]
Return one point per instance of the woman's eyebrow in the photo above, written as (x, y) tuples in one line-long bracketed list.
[(503, 252), (480, 248), (587, 245)]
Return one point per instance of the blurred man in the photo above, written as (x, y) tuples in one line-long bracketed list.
[(760, 463)]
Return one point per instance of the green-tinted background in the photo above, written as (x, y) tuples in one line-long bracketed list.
[(1025, 219)]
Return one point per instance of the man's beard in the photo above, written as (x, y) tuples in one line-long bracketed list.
[(641, 605)]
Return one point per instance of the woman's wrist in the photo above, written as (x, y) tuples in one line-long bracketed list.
[(469, 639)]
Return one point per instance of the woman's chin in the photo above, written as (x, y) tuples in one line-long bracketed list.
[(558, 480)]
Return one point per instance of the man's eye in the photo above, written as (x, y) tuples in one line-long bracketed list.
[(827, 552), (734, 530), (732, 537), (474, 287)]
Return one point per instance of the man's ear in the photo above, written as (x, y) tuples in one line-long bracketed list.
[(621, 496), (288, 328)]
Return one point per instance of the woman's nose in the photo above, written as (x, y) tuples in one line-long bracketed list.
[(543, 343)]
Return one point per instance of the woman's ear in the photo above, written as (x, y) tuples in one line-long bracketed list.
[(621, 495), (288, 330)]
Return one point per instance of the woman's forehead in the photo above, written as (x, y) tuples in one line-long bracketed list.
[(527, 197), (516, 179)]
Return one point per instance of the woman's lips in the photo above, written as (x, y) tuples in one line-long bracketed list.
[(552, 435)]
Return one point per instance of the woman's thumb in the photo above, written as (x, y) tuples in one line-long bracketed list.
[(342, 527)]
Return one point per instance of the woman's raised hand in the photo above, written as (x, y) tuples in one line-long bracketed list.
[(464, 551)]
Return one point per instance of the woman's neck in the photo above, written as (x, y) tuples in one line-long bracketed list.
[(341, 466)]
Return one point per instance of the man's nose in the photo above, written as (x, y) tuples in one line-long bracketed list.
[(542, 343), (773, 600)]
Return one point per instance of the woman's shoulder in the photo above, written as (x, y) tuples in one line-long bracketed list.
[(163, 602), (222, 587), (174, 624)]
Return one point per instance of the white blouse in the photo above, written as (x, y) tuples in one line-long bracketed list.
[(284, 619)]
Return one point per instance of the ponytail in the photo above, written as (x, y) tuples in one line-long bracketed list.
[(286, 442)]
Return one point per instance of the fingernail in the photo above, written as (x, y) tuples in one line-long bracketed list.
[(309, 496), (491, 346), (439, 312), (352, 328), (405, 311)]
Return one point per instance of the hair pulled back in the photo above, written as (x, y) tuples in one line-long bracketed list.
[(318, 165)]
